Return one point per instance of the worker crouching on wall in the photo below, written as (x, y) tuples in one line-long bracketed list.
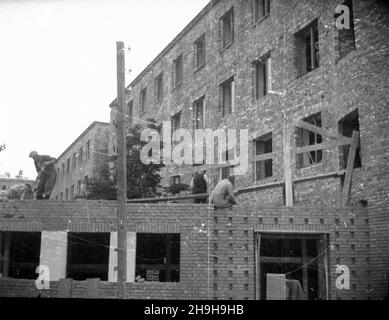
[(223, 194)]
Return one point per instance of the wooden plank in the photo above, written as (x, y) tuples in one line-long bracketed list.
[(326, 263), (349, 169)]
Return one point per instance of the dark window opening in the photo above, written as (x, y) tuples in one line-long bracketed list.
[(87, 149), (176, 125), (159, 87), (307, 42), (228, 97), (264, 168), (176, 180), (227, 156), (158, 257), (227, 29), (178, 71), (298, 257), (305, 138), (88, 256), (199, 113), (143, 96), (19, 254), (346, 37), (200, 52), (262, 77), (261, 8), (346, 127), (68, 165)]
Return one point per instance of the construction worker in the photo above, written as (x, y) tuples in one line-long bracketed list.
[(47, 174), (199, 186), (223, 194)]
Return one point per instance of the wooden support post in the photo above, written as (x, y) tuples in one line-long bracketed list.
[(326, 263), (287, 167), (122, 173), (350, 166)]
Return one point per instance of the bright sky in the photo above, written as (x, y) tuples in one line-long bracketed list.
[(58, 66)]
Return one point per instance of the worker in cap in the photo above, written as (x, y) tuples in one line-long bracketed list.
[(223, 194), (47, 174)]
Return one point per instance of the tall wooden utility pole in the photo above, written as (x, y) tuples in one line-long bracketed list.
[(122, 173)]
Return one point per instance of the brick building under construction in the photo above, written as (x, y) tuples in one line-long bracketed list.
[(314, 99)]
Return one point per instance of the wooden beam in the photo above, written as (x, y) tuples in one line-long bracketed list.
[(323, 146), (305, 267), (257, 254), (312, 128), (349, 169)]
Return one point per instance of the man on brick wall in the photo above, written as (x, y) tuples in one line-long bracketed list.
[(47, 174), (199, 186), (223, 194)]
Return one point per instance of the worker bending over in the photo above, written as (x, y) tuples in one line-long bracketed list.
[(223, 194), (47, 174)]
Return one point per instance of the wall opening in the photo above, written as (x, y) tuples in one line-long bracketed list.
[(158, 257), (19, 254), (300, 258), (306, 138), (88, 256), (346, 126)]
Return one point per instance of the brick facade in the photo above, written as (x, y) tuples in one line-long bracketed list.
[(336, 88)]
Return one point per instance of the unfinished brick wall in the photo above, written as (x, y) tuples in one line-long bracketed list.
[(218, 266)]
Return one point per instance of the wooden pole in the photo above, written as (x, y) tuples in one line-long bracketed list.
[(122, 173)]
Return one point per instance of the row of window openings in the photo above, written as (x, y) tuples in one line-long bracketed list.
[(307, 57), (73, 159), (73, 193), (157, 256)]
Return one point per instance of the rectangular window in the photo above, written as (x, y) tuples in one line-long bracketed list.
[(130, 110), (63, 169), (307, 44), (198, 109), (346, 36), (158, 257), (72, 194), (305, 138), (158, 83), (227, 156), (287, 261), (20, 252), (68, 166), (61, 196), (261, 8), (178, 71), (74, 160), (199, 52), (142, 102), (346, 126), (227, 29), (79, 188), (228, 97), (87, 154), (264, 168), (67, 194), (88, 255), (262, 77)]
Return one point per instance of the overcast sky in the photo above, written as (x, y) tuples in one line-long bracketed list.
[(58, 66)]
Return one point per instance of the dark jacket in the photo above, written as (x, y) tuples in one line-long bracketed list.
[(199, 184)]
